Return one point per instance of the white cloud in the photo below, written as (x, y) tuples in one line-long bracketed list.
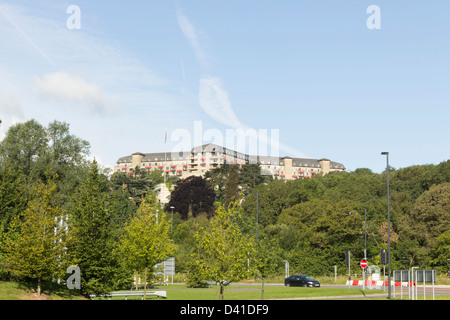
[(74, 90), (11, 111), (191, 36), (213, 98)]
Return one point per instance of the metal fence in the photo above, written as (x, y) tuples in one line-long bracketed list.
[(412, 280)]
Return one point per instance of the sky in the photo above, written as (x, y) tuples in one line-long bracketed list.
[(343, 80)]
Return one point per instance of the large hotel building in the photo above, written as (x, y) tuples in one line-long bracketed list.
[(207, 157)]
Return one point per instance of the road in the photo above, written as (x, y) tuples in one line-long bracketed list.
[(396, 292)]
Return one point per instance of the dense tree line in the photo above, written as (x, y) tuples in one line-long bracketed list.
[(312, 222), (57, 206)]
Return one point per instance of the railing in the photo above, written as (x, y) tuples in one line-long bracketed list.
[(127, 294)]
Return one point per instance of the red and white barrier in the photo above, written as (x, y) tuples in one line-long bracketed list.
[(378, 283)]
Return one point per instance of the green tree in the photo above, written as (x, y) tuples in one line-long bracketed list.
[(145, 241), (216, 179), (91, 245), (36, 240), (250, 176), (267, 259), (430, 216), (441, 252), (223, 252), (36, 151), (273, 198), (13, 194), (136, 184), (24, 145), (231, 191)]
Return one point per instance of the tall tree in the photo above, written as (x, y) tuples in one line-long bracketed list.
[(36, 150), (13, 193), (36, 240), (250, 176), (24, 144), (91, 245), (223, 252), (231, 192), (145, 241), (216, 179), (136, 184)]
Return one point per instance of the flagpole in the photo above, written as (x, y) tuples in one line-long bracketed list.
[(165, 155)]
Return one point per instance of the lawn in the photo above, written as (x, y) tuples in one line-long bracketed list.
[(22, 291), (235, 292)]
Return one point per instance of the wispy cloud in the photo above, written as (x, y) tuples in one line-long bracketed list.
[(7, 15), (191, 35), (214, 100), (48, 71), (212, 96), (86, 68)]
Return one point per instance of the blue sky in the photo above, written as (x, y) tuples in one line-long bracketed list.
[(310, 70)]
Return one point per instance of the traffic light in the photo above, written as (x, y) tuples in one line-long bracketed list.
[(383, 256), (347, 258)]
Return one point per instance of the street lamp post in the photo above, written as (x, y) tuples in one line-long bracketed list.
[(171, 221), (389, 226), (257, 213)]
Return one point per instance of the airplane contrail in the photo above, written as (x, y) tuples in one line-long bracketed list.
[(27, 37)]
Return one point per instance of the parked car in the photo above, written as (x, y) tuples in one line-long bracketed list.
[(301, 281)]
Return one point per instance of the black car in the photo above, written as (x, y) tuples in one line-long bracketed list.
[(301, 281)]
